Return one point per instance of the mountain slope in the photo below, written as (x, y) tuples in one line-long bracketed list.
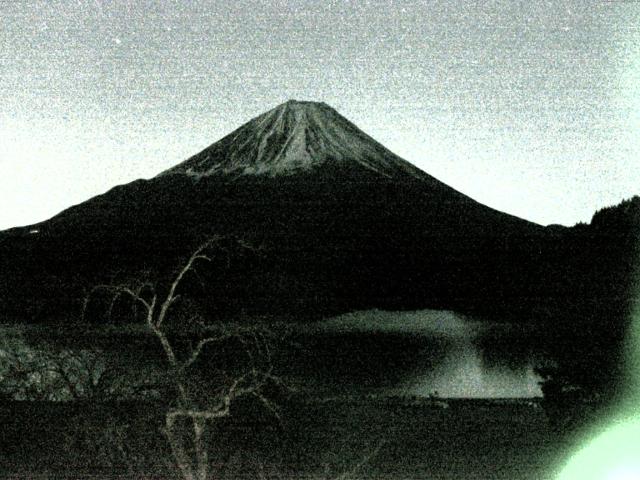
[(343, 223)]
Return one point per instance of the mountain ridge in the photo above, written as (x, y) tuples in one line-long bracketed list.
[(304, 140)]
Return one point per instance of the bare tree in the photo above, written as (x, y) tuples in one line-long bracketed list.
[(190, 454)]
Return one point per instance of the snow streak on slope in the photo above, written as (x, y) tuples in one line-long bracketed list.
[(293, 137)]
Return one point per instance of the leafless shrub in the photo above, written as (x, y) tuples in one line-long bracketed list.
[(41, 373)]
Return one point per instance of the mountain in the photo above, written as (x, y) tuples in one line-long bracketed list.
[(342, 224)]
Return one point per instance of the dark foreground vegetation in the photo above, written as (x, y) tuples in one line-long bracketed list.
[(347, 439), (222, 410)]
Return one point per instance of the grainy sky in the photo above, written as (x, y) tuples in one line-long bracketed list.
[(532, 107)]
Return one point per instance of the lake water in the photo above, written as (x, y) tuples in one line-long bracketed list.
[(407, 353), (420, 353)]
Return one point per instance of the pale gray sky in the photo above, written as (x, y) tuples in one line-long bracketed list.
[(532, 107)]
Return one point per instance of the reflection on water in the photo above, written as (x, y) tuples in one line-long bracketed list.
[(463, 373), (420, 353)]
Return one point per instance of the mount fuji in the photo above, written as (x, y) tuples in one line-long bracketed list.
[(342, 223)]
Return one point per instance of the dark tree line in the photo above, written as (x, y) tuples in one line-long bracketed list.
[(592, 312)]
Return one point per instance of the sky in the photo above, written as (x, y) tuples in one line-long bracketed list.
[(532, 108)]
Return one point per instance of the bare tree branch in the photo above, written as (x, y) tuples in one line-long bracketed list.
[(171, 296), (117, 291), (192, 460), (200, 345)]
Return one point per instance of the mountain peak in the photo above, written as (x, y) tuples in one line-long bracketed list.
[(292, 102), (296, 136)]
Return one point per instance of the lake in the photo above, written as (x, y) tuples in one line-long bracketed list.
[(368, 352), (418, 353)]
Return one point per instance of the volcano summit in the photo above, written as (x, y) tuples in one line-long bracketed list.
[(292, 138)]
